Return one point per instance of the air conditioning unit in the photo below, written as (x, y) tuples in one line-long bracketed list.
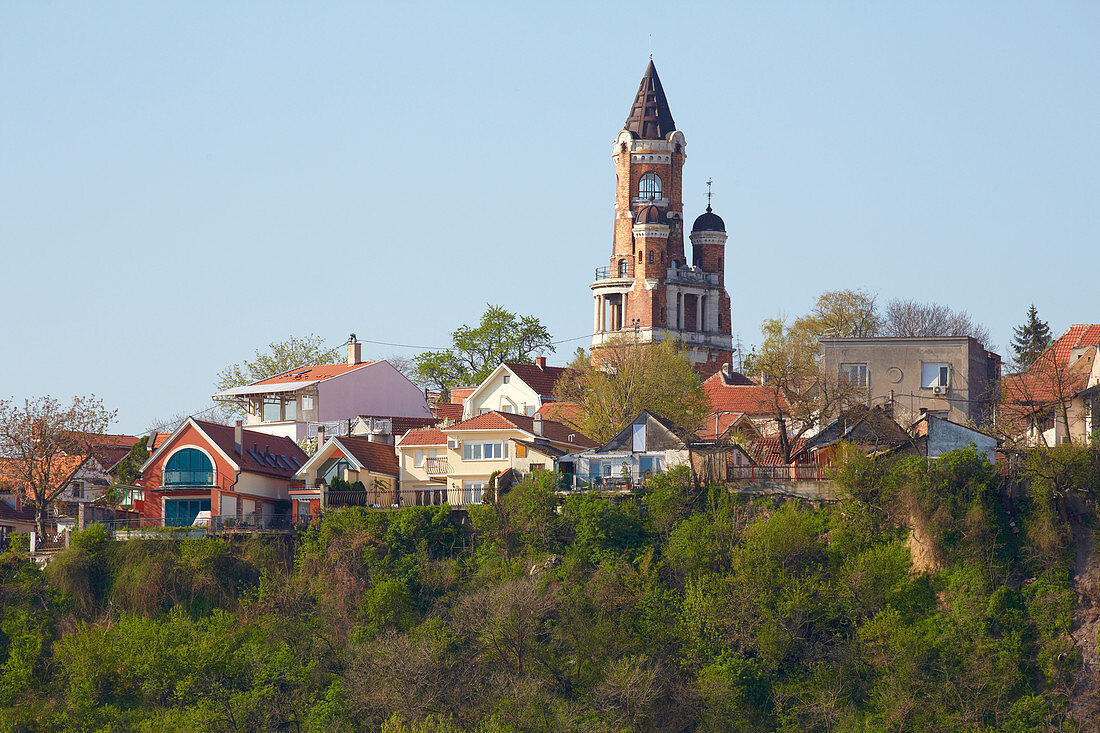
[(939, 389), (452, 444)]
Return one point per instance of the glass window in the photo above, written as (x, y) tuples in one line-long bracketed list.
[(484, 451), (188, 467), (182, 512), (290, 411), (78, 489), (307, 402), (622, 268), (854, 374), (273, 409), (934, 374), (650, 186), (418, 459), (507, 378)]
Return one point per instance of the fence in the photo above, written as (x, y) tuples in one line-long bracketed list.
[(795, 472)]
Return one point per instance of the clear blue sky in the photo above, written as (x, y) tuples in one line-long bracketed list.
[(183, 183)]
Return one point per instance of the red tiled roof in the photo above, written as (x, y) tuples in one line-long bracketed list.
[(712, 429), (767, 451), (752, 399), (1076, 336), (119, 441), (158, 440), (551, 429), (1045, 382), (446, 410), (317, 372), (540, 379), (459, 394), (376, 457), (425, 436), (259, 451)]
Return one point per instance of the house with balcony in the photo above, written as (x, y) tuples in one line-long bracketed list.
[(293, 404), (346, 471), (454, 465), (513, 387), (234, 473)]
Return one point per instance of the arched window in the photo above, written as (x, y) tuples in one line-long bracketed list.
[(623, 267), (189, 467), (651, 255), (650, 186)]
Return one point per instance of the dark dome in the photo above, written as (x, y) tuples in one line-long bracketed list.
[(650, 215), (709, 222)]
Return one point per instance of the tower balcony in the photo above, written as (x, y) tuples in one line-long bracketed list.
[(691, 275), (624, 271)]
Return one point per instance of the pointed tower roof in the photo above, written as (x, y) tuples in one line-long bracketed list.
[(650, 117)]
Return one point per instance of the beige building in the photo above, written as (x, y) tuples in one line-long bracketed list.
[(454, 465), (514, 387), (952, 377)]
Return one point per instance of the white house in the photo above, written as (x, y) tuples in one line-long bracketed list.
[(648, 444), (294, 403), (514, 387)]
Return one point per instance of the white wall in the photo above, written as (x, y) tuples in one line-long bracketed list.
[(494, 394)]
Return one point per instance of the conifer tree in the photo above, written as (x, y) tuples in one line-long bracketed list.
[(1031, 339)]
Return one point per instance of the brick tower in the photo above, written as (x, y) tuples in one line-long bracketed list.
[(649, 289)]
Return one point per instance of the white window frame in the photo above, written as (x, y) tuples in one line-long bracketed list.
[(932, 374), (476, 450), (857, 369)]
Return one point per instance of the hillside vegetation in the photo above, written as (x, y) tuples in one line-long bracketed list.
[(686, 609)]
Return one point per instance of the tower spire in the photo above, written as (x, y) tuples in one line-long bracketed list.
[(650, 117)]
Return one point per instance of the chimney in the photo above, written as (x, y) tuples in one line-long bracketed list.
[(727, 372), (238, 436), (540, 362), (355, 351), (320, 436), (538, 424)]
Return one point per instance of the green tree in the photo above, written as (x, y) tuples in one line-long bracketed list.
[(841, 314), (801, 395), (1031, 339), (628, 378), (129, 469), (478, 350)]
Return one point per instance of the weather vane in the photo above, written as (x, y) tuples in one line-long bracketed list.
[(709, 181)]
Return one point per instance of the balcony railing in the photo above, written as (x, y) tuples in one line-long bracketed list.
[(436, 466), (796, 472), (176, 479), (371, 498), (692, 275), (617, 272)]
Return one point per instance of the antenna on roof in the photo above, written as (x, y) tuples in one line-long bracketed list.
[(650, 46), (709, 194)]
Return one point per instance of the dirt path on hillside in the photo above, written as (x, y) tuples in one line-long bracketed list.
[(1085, 702)]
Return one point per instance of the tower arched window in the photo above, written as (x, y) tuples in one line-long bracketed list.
[(623, 268), (651, 255), (650, 186), (189, 467)]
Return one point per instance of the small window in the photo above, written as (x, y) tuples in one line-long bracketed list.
[(651, 256), (418, 459), (507, 378), (623, 268), (521, 450), (854, 374), (307, 402), (935, 375), (639, 257), (78, 489), (650, 186)]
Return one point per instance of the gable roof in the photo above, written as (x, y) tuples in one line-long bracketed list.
[(1048, 380), (862, 426), (661, 434), (422, 436), (261, 453), (375, 457), (1076, 336), (551, 429), (562, 411), (752, 399), (541, 380), (768, 451)]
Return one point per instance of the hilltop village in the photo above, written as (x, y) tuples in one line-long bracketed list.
[(867, 524), (359, 433)]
